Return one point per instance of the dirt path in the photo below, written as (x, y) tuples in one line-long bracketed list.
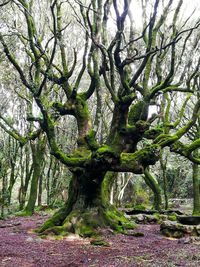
[(19, 247)]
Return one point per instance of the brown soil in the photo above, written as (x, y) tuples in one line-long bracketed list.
[(21, 247)]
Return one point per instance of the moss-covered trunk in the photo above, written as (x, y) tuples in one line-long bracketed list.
[(11, 182), (163, 164), (165, 189), (196, 196), (40, 191), (153, 184), (3, 195), (87, 208), (37, 156)]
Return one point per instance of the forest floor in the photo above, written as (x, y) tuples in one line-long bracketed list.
[(21, 247)]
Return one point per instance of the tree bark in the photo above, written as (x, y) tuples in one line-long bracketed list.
[(38, 156), (196, 195), (153, 184), (163, 164), (4, 196)]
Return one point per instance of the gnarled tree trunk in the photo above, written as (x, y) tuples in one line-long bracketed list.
[(87, 207)]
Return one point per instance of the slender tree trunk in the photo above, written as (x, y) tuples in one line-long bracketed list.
[(196, 195), (163, 164), (124, 185), (40, 192), (12, 182), (40, 189), (22, 193), (38, 157), (3, 199), (4, 196), (165, 189), (54, 183), (48, 178), (153, 184), (107, 186), (13, 172)]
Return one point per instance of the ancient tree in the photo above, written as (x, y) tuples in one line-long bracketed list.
[(100, 55)]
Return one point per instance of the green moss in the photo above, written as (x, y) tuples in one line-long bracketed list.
[(86, 231), (128, 205), (81, 112), (166, 232), (142, 124), (128, 160), (56, 220), (58, 106), (139, 207), (103, 149), (75, 159), (178, 234), (48, 224), (153, 133), (83, 224), (106, 186), (117, 221), (56, 231), (172, 218), (137, 112), (81, 152), (93, 223), (91, 141), (158, 218), (166, 139), (23, 213), (147, 156), (57, 237), (162, 137)]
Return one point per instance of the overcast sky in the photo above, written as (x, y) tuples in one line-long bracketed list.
[(188, 7)]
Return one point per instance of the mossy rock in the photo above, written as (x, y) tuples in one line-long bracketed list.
[(177, 234), (173, 234), (158, 217), (177, 230), (189, 220), (174, 212), (136, 212)]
